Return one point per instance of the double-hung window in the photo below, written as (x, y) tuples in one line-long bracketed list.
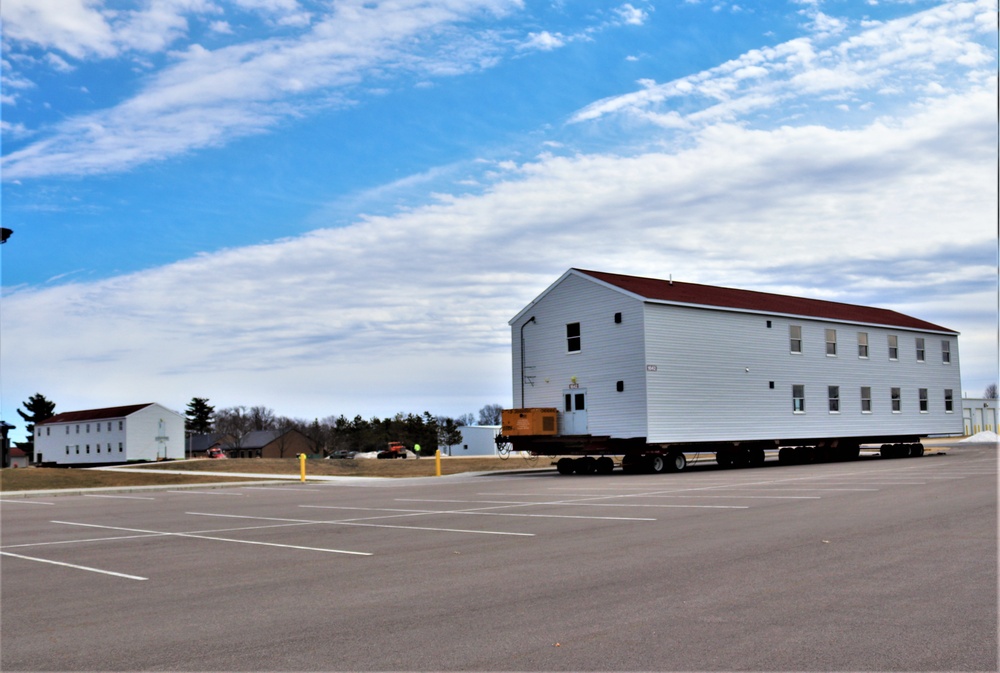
[(897, 403), (893, 341), (573, 337), (831, 342), (921, 351), (866, 399), (949, 403), (862, 344), (798, 399), (833, 393), (946, 352), (795, 338), (922, 396)]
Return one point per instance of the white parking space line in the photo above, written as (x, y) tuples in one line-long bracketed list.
[(359, 522), (93, 539), (304, 489), (123, 497), (573, 503), (206, 493), (480, 513), (73, 565), (25, 501), (219, 539)]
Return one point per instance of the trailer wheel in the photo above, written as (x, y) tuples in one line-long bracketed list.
[(919, 450), (755, 457), (631, 464), (566, 466), (724, 458), (677, 462), (657, 464), (605, 465), (586, 465)]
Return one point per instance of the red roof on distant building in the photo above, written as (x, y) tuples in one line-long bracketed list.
[(654, 289), (15, 452), (94, 414)]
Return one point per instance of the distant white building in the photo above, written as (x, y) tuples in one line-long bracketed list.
[(477, 440), (979, 414), (138, 432)]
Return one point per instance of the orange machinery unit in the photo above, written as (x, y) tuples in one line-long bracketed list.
[(527, 422)]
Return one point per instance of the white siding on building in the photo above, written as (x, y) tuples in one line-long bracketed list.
[(477, 440), (609, 352)]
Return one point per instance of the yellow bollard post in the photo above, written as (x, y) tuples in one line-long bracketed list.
[(302, 466), (437, 463)]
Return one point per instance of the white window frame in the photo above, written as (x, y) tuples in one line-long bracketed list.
[(893, 343), (795, 339), (945, 352), (921, 349), (833, 399), (863, 345), (798, 401), (949, 401), (866, 397), (573, 339), (922, 401), (831, 342), (896, 399)]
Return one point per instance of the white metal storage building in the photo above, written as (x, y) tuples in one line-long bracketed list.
[(477, 440), (138, 432), (630, 357)]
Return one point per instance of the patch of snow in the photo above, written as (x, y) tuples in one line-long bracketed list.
[(984, 437)]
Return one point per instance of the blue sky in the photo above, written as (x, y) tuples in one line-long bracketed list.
[(335, 207)]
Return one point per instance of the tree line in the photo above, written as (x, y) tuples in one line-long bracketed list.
[(336, 433)]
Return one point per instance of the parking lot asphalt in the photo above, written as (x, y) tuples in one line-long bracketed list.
[(874, 564)]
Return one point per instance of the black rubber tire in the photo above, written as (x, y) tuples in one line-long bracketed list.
[(566, 466), (724, 458), (657, 464), (605, 465), (676, 462), (756, 457), (586, 465)]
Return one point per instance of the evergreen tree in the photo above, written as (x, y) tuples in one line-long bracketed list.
[(200, 416), (38, 409)]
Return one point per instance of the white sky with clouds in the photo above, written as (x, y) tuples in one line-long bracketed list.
[(853, 158)]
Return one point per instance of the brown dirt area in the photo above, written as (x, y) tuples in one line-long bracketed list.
[(45, 478)]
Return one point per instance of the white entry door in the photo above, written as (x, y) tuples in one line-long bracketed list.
[(574, 412)]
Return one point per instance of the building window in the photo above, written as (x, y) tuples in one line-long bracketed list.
[(109, 426), (866, 400), (795, 338), (88, 428), (120, 447), (98, 448), (893, 347), (833, 393), (897, 404), (920, 349), (922, 393), (67, 429), (862, 344), (48, 431), (831, 342), (946, 352), (798, 399), (88, 448), (67, 450), (77, 449), (78, 429), (121, 425), (573, 337), (948, 401)]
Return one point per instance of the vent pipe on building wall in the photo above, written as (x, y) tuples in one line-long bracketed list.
[(531, 319)]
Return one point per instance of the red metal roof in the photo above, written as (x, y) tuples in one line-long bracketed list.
[(707, 295), (94, 414)]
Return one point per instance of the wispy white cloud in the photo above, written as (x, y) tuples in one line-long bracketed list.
[(333, 319), (943, 45), (210, 96)]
